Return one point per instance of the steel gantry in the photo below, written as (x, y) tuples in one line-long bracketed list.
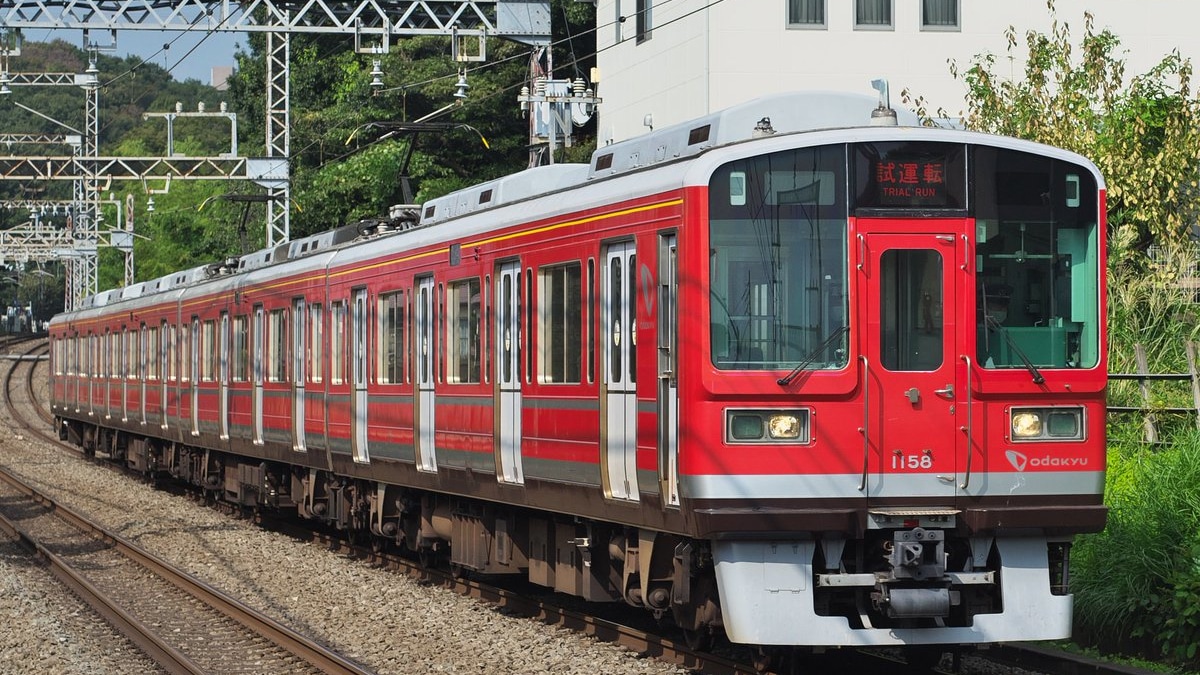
[(374, 23)]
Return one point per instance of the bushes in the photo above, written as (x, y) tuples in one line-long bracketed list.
[(1137, 584)]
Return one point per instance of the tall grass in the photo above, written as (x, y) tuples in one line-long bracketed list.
[(1137, 584), (1151, 302)]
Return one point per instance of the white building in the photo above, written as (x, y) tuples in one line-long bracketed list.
[(666, 61)]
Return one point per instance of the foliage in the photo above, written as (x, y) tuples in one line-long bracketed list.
[(1144, 135), (347, 154), (1137, 584)]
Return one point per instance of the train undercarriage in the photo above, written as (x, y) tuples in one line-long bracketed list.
[(893, 580)]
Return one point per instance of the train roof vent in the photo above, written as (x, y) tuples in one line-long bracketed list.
[(781, 113), (539, 180), (257, 259), (105, 297), (133, 291)]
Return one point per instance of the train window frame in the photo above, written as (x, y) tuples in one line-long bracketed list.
[(153, 353), (439, 331), (143, 342), (592, 318), (172, 350), (185, 353), (337, 343), (316, 343), (277, 351), (392, 317), (208, 351), (560, 324), (486, 329), (240, 354), (526, 313), (463, 315)]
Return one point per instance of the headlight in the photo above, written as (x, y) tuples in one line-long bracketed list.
[(767, 426), (1026, 425), (1047, 424), (784, 426)]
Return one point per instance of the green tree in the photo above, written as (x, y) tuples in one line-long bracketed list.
[(1144, 133)]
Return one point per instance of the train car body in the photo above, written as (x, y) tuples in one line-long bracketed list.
[(776, 372)]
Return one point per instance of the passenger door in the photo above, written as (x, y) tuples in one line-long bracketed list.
[(618, 300), (508, 373), (358, 375), (426, 353), (910, 360), (299, 374)]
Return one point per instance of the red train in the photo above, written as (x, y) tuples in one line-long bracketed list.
[(777, 373)]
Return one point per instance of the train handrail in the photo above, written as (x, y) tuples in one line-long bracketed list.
[(970, 424), (864, 429)]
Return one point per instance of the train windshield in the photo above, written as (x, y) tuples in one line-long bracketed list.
[(1037, 262), (778, 261)]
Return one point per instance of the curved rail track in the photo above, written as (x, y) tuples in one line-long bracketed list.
[(183, 624), (225, 622)]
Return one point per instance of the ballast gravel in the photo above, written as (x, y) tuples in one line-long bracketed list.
[(386, 622)]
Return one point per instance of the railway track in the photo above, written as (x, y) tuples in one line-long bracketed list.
[(23, 403), (183, 624)]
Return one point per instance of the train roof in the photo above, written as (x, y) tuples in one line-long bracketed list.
[(828, 116)]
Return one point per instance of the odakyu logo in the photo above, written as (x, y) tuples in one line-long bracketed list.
[(1019, 461)]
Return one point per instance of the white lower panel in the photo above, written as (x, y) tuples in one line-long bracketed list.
[(767, 599)]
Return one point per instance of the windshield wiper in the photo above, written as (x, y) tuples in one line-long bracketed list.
[(1033, 371), (812, 356)]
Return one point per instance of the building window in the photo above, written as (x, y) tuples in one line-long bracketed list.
[(939, 14), (560, 342), (643, 20), (806, 13), (873, 14), (463, 315)]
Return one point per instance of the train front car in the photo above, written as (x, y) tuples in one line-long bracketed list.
[(898, 399)]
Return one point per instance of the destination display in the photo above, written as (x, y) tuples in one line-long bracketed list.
[(910, 175)]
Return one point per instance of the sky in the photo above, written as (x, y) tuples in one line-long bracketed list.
[(215, 50)]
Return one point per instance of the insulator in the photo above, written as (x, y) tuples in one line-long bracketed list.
[(578, 86)]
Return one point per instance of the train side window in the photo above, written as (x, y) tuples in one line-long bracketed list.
[(440, 332), (143, 346), (337, 336), (487, 327), (316, 344), (133, 365), (277, 346), (390, 345), (591, 320), (241, 348), (208, 352), (463, 312), (560, 335), (185, 353), (153, 353), (527, 329)]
